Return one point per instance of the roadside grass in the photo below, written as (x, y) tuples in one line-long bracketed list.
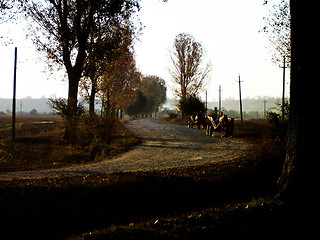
[(172, 118), (39, 144)]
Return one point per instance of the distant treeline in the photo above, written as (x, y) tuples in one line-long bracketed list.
[(25, 105), (252, 107)]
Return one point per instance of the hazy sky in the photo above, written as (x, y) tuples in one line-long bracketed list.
[(228, 29)]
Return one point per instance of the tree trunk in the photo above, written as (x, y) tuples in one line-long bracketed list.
[(298, 183), (92, 96), (70, 132), (299, 172), (108, 109), (183, 98)]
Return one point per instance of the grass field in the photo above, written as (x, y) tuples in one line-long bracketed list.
[(39, 144), (225, 200)]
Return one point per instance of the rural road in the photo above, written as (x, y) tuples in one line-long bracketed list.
[(163, 146)]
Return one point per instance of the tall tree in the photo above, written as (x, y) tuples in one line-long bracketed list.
[(188, 71), (65, 30), (120, 80), (116, 41), (300, 173)]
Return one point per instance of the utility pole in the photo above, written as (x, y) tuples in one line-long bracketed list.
[(264, 108), (219, 98), (206, 103), (14, 95), (283, 86), (240, 98)]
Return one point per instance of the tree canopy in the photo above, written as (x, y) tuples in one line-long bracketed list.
[(154, 89), (111, 74), (151, 94), (67, 30)]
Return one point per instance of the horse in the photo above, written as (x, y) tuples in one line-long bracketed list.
[(223, 124)]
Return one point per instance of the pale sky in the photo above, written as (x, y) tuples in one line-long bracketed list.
[(228, 29)]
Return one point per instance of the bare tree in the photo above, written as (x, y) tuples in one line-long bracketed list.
[(277, 30), (9, 9), (188, 69)]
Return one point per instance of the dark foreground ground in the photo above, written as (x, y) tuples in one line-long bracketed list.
[(227, 200), (224, 200)]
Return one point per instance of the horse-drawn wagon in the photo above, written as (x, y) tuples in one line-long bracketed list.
[(222, 124)]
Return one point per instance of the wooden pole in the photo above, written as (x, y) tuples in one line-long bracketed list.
[(219, 99), (206, 103), (264, 108), (240, 99), (283, 87), (14, 95)]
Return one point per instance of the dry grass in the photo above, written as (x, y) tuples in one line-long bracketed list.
[(39, 144), (251, 128)]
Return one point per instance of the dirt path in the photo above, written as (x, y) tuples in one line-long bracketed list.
[(164, 146)]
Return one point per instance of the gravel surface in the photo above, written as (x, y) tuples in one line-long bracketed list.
[(163, 146)]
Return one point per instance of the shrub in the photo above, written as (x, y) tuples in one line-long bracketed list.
[(69, 114), (191, 105), (65, 110), (33, 112), (96, 129), (172, 115)]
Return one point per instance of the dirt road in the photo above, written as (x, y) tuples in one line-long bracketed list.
[(163, 146)]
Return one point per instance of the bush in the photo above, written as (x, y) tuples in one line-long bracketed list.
[(70, 114), (278, 127), (33, 112), (192, 104), (65, 110), (94, 129), (172, 115), (93, 133)]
